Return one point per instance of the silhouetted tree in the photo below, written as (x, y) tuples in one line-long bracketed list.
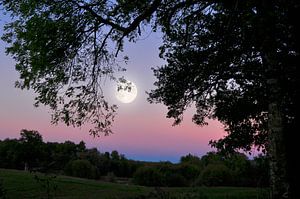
[(222, 56), (191, 159), (114, 155), (212, 158), (31, 148), (236, 61), (81, 146)]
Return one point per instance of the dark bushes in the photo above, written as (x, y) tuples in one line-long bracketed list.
[(148, 176), (216, 175), (82, 169)]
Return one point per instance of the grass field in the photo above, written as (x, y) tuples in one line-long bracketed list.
[(23, 185)]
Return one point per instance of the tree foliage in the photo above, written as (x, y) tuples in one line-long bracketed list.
[(63, 52), (64, 49), (215, 55)]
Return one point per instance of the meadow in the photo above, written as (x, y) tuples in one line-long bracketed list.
[(22, 185)]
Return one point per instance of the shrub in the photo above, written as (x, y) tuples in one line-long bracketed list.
[(175, 180), (188, 171), (148, 176), (82, 169), (215, 175)]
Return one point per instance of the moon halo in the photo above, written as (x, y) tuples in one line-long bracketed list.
[(126, 92)]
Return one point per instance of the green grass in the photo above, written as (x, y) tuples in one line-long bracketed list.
[(22, 185)]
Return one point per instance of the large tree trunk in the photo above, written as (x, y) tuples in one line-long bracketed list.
[(277, 148)]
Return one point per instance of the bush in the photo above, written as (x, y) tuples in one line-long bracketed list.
[(175, 180), (166, 175), (82, 169), (189, 171), (148, 176), (215, 175)]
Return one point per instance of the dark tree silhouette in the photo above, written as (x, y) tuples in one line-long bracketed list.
[(30, 148), (235, 60)]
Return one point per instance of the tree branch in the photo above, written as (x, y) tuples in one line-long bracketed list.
[(126, 30), (98, 17), (147, 13)]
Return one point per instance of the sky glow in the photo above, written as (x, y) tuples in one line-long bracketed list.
[(141, 130)]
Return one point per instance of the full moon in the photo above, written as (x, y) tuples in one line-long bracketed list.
[(126, 92)]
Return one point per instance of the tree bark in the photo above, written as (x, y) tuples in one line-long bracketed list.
[(276, 148)]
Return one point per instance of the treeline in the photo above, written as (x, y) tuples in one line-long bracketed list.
[(211, 169), (29, 152)]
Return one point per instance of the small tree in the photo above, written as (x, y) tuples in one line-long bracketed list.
[(31, 148)]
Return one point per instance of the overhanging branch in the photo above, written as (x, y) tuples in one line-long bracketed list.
[(126, 30)]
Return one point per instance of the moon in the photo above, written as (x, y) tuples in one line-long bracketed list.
[(126, 92)]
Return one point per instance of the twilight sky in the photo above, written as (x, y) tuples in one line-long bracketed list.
[(141, 130)]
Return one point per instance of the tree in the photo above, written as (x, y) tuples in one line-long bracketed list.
[(81, 146), (31, 147), (64, 153), (237, 59), (191, 159), (115, 155)]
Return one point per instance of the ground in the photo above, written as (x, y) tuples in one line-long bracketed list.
[(23, 185)]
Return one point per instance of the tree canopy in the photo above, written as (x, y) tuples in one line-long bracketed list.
[(234, 60), (216, 60), (65, 50)]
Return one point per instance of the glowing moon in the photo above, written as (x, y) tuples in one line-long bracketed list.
[(126, 92)]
